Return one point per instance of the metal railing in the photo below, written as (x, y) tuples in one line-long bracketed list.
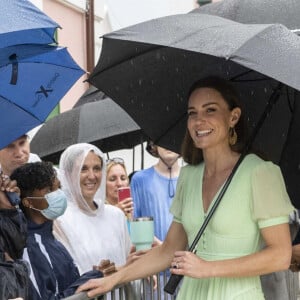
[(135, 290)]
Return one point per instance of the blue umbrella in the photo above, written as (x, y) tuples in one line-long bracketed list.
[(33, 79), (23, 23)]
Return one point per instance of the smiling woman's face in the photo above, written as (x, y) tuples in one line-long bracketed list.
[(209, 118), (90, 176)]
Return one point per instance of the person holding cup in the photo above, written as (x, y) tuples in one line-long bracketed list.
[(90, 229)]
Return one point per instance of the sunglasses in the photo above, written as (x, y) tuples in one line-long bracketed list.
[(116, 160)]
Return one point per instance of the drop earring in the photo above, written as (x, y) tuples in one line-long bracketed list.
[(232, 136)]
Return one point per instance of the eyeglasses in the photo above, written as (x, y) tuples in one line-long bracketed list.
[(117, 160)]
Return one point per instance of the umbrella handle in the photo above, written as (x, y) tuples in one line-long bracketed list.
[(172, 283)]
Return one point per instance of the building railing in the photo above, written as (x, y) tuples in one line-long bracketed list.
[(135, 290)]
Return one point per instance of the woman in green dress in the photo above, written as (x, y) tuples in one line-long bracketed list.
[(248, 235)]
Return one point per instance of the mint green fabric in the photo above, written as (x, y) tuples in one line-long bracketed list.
[(256, 198)]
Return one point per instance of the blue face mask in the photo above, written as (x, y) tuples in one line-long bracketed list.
[(57, 204)]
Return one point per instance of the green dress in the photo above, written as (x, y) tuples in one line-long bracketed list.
[(256, 198)]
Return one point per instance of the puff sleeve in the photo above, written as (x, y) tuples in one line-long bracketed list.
[(271, 203)]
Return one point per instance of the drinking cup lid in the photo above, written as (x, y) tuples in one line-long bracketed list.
[(142, 219)]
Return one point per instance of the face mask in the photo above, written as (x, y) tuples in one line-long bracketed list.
[(57, 204)]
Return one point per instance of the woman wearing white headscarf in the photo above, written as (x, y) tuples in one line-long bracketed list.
[(89, 229)]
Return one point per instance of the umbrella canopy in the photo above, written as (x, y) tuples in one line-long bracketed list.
[(91, 95), (24, 23), (102, 123), (285, 12), (148, 69), (33, 80)]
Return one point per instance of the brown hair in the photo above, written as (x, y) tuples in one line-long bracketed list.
[(190, 153)]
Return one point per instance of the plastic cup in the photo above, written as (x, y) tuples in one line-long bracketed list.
[(142, 232)]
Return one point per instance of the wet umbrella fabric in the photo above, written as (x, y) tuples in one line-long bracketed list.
[(33, 79), (102, 123), (24, 23), (92, 94), (157, 61), (285, 12)]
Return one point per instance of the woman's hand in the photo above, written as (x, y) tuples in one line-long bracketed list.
[(126, 206), (154, 280), (96, 286), (295, 262), (189, 264), (106, 267)]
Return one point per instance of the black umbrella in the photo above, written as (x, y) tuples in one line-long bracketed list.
[(102, 123), (148, 69), (285, 12), (91, 95)]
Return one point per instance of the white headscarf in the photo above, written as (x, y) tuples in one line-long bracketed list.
[(70, 165), (89, 235)]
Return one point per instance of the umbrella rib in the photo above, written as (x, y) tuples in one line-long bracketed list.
[(236, 78), (116, 64)]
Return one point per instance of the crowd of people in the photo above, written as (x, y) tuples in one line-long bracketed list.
[(73, 234)]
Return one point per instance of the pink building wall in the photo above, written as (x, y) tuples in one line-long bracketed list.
[(72, 35)]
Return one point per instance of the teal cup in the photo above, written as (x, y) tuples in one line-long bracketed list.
[(142, 232)]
